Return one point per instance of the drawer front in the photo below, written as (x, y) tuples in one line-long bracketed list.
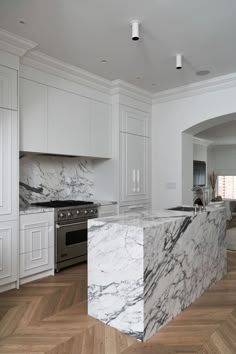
[(29, 221), (36, 262)]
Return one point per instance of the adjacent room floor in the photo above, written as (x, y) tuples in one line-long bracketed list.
[(50, 316)]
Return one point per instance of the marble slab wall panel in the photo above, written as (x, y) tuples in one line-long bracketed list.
[(46, 177), (115, 276), (191, 257)]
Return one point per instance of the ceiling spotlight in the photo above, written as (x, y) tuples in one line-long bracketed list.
[(135, 30), (104, 61), (22, 22), (178, 58)]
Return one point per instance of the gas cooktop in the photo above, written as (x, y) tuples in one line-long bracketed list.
[(62, 203)]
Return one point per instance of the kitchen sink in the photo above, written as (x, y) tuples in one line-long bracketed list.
[(182, 208)]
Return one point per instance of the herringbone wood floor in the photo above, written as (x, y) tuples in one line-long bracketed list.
[(50, 316)]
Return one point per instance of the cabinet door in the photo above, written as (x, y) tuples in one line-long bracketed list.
[(33, 116), (134, 168), (36, 243), (8, 165), (8, 88), (68, 123), (100, 131), (8, 252), (134, 121), (37, 261)]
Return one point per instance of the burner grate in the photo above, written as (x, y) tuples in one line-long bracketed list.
[(62, 203)]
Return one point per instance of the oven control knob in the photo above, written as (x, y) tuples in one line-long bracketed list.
[(86, 212), (91, 211), (77, 212), (61, 215), (69, 214)]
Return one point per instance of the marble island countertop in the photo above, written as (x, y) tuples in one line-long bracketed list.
[(146, 267), (151, 218)]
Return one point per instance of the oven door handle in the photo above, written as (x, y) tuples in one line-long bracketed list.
[(73, 224)]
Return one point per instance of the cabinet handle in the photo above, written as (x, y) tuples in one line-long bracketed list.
[(138, 181), (134, 181)]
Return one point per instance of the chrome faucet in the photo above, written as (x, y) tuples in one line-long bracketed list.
[(199, 188)]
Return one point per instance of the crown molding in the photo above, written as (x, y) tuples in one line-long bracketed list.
[(124, 88), (14, 44), (198, 88), (201, 141), (66, 71)]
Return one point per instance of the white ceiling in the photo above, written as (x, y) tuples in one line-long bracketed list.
[(83, 32)]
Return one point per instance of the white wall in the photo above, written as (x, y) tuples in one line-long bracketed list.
[(199, 152), (223, 159), (169, 120)]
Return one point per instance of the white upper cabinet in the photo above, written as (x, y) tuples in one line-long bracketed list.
[(8, 88), (134, 121), (68, 123), (134, 168), (100, 132), (55, 121), (8, 165), (33, 116)]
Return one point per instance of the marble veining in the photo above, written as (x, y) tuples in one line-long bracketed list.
[(28, 209), (46, 177), (146, 267)]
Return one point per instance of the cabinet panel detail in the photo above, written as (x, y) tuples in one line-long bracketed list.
[(8, 252), (8, 88), (134, 122), (100, 133), (68, 123), (8, 165), (33, 116), (134, 168)]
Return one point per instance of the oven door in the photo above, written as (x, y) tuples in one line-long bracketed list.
[(71, 239)]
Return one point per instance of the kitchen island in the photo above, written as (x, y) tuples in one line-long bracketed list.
[(146, 267)]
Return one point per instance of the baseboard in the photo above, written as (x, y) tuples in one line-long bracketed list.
[(36, 276), (8, 287)]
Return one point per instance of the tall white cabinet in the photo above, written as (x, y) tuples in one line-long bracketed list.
[(134, 157), (126, 178), (8, 177)]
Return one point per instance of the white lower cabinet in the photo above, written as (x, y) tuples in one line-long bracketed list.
[(36, 244), (107, 210), (8, 252)]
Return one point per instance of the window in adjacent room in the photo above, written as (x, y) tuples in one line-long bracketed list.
[(227, 187)]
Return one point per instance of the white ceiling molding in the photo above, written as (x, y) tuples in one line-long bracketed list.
[(14, 44), (66, 71), (218, 83), (200, 141), (124, 88)]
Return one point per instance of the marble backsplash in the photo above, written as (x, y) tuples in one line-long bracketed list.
[(47, 177)]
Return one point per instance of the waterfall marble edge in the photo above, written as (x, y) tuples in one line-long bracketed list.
[(146, 267)]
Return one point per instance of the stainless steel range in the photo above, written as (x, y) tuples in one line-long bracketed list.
[(71, 230)]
